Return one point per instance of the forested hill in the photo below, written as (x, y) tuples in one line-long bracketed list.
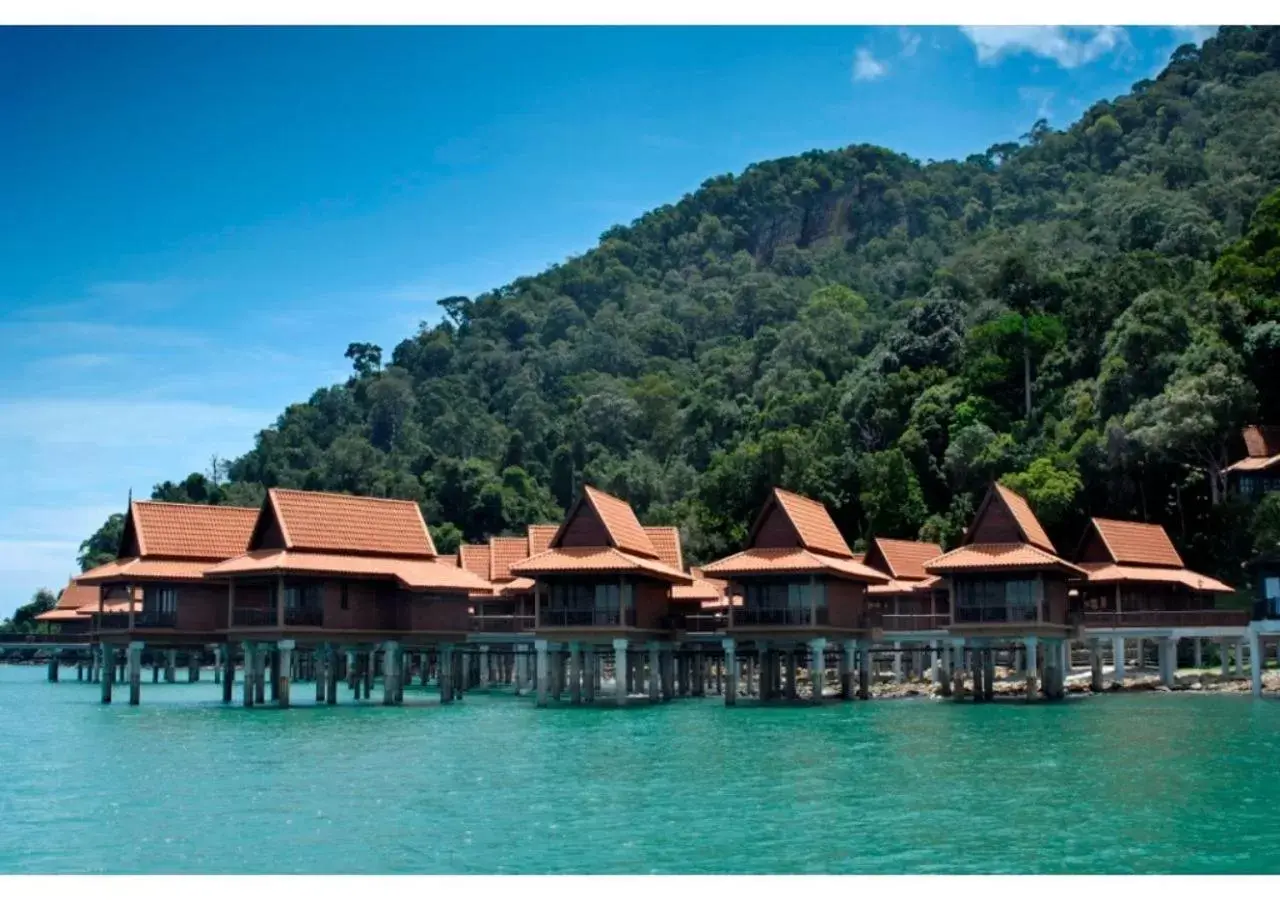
[(856, 325)]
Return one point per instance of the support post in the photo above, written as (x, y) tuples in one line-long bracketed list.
[(108, 671), (1226, 659), (284, 671), (730, 672), (1255, 662), (620, 669), (1168, 651), (575, 672), (484, 666), (444, 672), (791, 674), (864, 670), (989, 675), (135, 672), (544, 672), (1239, 658), (1198, 654), (331, 674), (250, 673), (1117, 659), (817, 667), (847, 665), (654, 676), (390, 672), (1095, 665), (699, 674), (227, 658), (589, 674), (320, 660)]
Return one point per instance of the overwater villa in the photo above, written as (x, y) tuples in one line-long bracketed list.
[(602, 586), (164, 551), (1008, 586), (335, 573), (1258, 473), (801, 588), (76, 611), (1137, 588), (912, 606)]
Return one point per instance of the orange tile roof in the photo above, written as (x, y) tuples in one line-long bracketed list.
[(343, 523), (137, 569), (416, 574), (503, 551), (540, 537), (1032, 531), (995, 557), (1137, 543), (1107, 573), (569, 560), (906, 559), (619, 521), (191, 531), (76, 595), (898, 586), (666, 540), (1261, 440), (709, 591), (63, 615), (475, 559), (813, 524), (513, 587), (781, 560)]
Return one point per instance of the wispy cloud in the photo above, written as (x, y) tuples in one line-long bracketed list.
[(866, 67), (1068, 47), (1039, 98)]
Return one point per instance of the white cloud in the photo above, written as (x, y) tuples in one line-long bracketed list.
[(866, 67), (1068, 47), (1040, 98), (910, 42)]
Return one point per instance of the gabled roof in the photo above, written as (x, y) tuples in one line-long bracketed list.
[(1136, 543), (475, 559), (540, 537), (76, 595), (709, 592), (811, 521), (666, 540), (904, 560), (998, 557), (134, 568), (1262, 444), (569, 560), (1019, 510), (416, 573), (503, 552), (1109, 573), (186, 530), (617, 518), (342, 523), (1261, 440), (792, 560)]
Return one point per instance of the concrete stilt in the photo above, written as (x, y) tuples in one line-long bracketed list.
[(946, 655), (484, 666), (655, 677), (1239, 658), (135, 673), (1166, 651), (155, 671), (699, 674), (390, 672), (575, 672), (250, 673), (589, 674), (1255, 662), (284, 671), (259, 674), (273, 673), (989, 675), (1197, 654), (1225, 653), (52, 673), (621, 666), (227, 657), (791, 674), (544, 672), (193, 666), (319, 658), (170, 666), (1095, 665), (730, 672), (957, 671), (108, 671), (1140, 657), (444, 672), (847, 665), (897, 662), (864, 670), (666, 673), (817, 668), (1117, 657), (330, 674)]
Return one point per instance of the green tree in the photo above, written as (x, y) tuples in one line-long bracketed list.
[(102, 546), (890, 494)]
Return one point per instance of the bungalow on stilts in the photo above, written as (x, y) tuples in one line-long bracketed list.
[(912, 607), (1007, 590), (803, 592), (601, 588)]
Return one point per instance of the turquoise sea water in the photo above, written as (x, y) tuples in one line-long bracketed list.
[(1137, 783)]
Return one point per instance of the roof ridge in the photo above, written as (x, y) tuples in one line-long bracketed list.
[(281, 490), (154, 502)]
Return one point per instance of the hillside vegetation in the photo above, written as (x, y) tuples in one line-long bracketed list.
[(1089, 315)]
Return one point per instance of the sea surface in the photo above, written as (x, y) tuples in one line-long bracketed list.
[(1146, 783)]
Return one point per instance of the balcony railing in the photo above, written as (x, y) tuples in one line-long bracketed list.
[(253, 617), (154, 618), (1159, 618), (304, 616), (585, 618), (915, 622), (699, 623), (502, 624), (982, 615), (786, 617)]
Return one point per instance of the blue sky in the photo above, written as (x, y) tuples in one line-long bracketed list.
[(195, 223)]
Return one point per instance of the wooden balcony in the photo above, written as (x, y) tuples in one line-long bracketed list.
[(501, 624), (253, 617), (586, 618), (744, 617), (915, 621), (994, 615), (1159, 618), (154, 618)]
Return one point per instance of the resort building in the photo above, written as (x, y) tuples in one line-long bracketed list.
[(1259, 472), (802, 590), (164, 551), (338, 574), (1137, 588), (76, 612), (602, 585), (1007, 586), (912, 607)]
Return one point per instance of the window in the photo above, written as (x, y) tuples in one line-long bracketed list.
[(784, 594), (1014, 600), (160, 599), (304, 596), (344, 602)]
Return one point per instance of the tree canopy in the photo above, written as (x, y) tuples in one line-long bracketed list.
[(1090, 314)]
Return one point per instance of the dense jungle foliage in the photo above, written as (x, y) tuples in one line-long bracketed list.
[(1089, 315)]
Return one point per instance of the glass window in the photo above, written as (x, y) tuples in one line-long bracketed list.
[(1271, 588), (160, 599)]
